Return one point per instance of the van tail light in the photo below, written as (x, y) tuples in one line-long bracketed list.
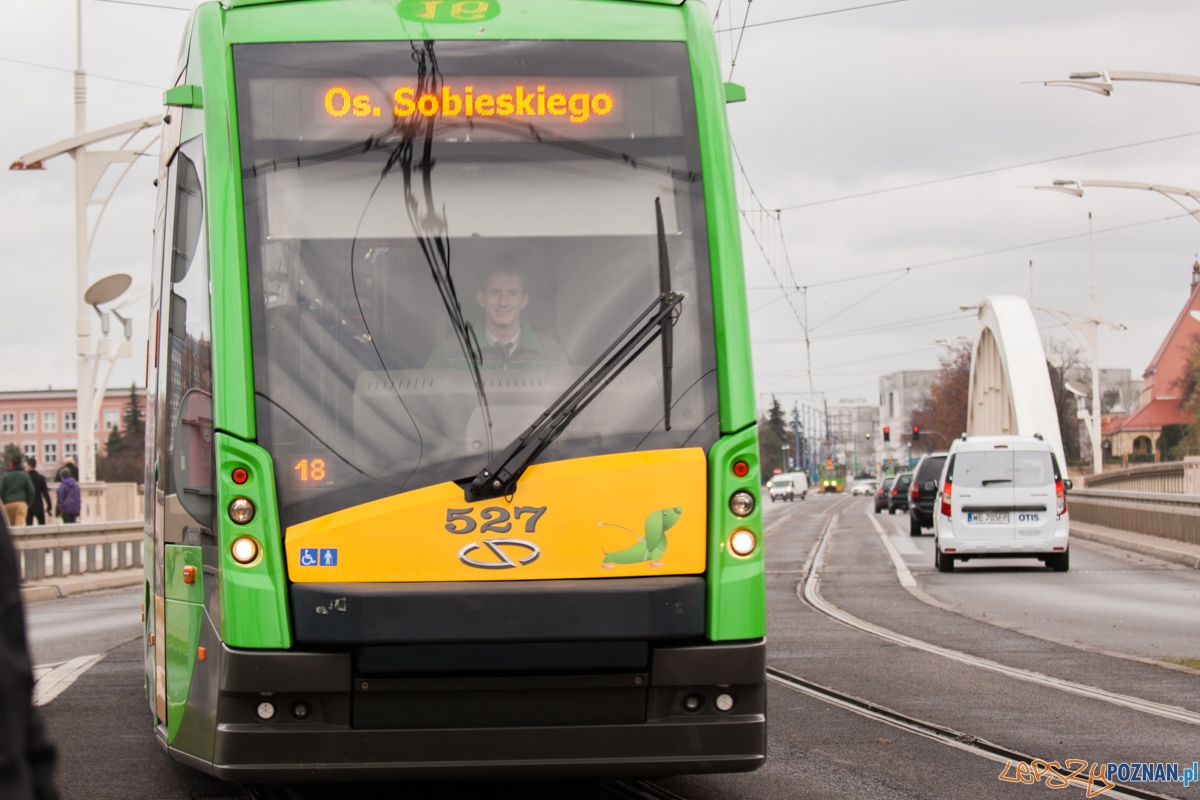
[(1060, 493), (915, 494), (946, 492)]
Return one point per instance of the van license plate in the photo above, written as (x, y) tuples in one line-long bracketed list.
[(988, 517)]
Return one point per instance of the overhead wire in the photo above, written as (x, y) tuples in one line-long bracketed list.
[(738, 48), (90, 74), (816, 14), (989, 171), (144, 5)]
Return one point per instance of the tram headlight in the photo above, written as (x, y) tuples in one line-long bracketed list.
[(742, 503), (743, 542), (241, 510), (244, 550), (265, 710)]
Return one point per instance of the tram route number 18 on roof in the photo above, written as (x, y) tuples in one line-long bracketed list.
[(478, 98)]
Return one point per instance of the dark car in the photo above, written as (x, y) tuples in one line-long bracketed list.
[(922, 494), (881, 494), (898, 494)]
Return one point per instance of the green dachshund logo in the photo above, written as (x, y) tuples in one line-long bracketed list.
[(649, 548)]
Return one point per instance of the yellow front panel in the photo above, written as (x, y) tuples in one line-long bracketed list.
[(612, 516)]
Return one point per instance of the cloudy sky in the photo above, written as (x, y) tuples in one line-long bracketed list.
[(842, 104)]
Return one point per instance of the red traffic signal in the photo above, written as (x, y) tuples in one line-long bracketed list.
[(916, 433), (887, 434)]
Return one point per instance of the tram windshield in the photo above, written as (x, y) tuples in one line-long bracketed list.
[(442, 236)]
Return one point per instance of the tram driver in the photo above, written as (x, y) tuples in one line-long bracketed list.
[(506, 341)]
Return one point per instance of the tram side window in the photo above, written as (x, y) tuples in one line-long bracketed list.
[(189, 345)]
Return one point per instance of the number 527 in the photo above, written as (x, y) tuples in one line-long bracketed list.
[(495, 519)]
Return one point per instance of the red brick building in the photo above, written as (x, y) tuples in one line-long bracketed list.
[(44, 426), (1162, 398)]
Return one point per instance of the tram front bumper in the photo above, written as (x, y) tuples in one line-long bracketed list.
[(663, 721)]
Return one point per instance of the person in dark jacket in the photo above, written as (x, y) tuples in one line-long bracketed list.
[(69, 501), (26, 756), (38, 509)]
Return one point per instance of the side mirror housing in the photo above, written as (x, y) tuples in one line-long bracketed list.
[(1068, 484)]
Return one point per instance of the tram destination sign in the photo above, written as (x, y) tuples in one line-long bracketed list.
[(548, 101)]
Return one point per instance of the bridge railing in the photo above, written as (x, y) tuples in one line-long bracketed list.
[(1172, 477), (62, 550), (1167, 515)]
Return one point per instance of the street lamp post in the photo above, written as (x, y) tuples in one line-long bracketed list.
[(1102, 82), (90, 166)]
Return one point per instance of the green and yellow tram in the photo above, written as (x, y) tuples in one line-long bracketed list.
[(833, 476), (454, 460)]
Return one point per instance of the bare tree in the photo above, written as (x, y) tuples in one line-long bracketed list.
[(1065, 362), (943, 417)]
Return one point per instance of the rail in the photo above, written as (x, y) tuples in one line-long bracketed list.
[(1169, 477), (1162, 514), (62, 550)]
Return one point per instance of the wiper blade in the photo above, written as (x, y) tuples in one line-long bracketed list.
[(500, 476), (997, 480), (665, 326)]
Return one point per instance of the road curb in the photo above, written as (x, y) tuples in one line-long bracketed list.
[(54, 589), (1124, 540)]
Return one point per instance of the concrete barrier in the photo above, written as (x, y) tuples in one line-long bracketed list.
[(60, 550), (1167, 516)]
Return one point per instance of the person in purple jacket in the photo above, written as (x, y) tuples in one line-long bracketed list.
[(68, 496)]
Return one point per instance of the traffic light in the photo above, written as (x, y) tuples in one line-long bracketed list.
[(887, 434), (916, 433)]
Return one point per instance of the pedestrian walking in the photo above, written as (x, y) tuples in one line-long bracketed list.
[(26, 757), (38, 509), (16, 492), (69, 501)]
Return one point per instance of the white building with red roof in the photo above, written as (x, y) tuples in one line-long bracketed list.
[(1162, 391)]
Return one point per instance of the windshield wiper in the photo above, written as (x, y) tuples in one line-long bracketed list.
[(665, 326), (499, 477), (997, 480)]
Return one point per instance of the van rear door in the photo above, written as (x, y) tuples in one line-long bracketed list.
[(983, 498), (1034, 499)]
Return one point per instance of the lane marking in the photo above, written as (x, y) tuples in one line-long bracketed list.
[(57, 680), (808, 591), (944, 735), (906, 578)]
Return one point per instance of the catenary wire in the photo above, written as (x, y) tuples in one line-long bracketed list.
[(90, 74), (989, 171), (817, 14)]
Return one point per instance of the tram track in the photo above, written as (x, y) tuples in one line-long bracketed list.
[(808, 591), (948, 736)]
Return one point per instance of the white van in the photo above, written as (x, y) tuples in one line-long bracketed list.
[(1002, 497), (799, 483)]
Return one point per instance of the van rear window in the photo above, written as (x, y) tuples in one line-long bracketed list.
[(1003, 469)]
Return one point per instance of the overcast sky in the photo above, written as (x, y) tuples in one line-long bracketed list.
[(838, 105)]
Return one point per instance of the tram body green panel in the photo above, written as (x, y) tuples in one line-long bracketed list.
[(731, 324), (183, 621), (233, 364), (370, 20), (175, 558), (254, 598), (737, 604)]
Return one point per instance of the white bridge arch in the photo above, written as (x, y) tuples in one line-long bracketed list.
[(1010, 392)]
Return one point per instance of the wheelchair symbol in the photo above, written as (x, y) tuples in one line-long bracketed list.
[(308, 556)]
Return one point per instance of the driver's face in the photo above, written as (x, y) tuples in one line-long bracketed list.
[(503, 299)]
